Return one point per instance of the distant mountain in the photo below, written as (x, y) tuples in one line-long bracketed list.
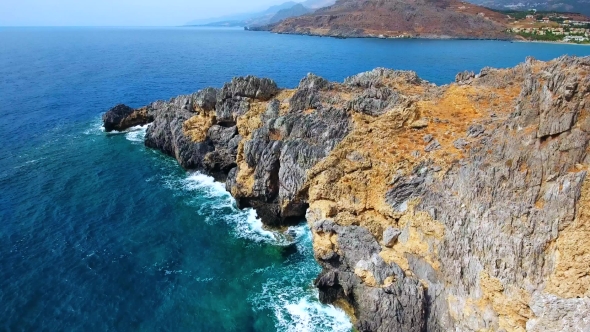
[(317, 4), (240, 19), (271, 15), (398, 18), (294, 11), (576, 6)]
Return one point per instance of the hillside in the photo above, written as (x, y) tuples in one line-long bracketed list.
[(294, 11), (271, 15), (398, 18)]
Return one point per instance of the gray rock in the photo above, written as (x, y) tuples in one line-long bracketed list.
[(464, 77), (206, 99), (502, 206), (433, 146), (122, 117), (390, 236), (460, 144), (375, 101), (166, 134), (475, 130)]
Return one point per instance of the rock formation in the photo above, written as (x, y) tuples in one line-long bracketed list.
[(462, 207), (122, 117)]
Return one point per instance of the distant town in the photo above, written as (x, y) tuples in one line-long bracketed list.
[(554, 27)]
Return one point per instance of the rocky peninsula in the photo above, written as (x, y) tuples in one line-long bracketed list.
[(461, 207)]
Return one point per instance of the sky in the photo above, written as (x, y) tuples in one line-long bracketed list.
[(120, 12)]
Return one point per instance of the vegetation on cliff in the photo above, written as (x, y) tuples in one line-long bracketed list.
[(456, 207)]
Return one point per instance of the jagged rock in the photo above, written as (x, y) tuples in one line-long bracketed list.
[(464, 77), (484, 233), (432, 146), (122, 117), (375, 101), (234, 99), (206, 99), (379, 77), (249, 87), (222, 136), (308, 93), (460, 144), (475, 130), (167, 135)]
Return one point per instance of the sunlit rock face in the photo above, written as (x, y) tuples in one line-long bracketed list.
[(459, 207)]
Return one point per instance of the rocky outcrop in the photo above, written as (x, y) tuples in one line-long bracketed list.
[(461, 207), (122, 117)]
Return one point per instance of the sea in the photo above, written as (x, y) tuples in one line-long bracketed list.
[(100, 233)]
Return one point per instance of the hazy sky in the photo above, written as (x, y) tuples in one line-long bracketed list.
[(120, 12)]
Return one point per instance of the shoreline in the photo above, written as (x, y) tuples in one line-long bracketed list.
[(432, 37), (549, 42)]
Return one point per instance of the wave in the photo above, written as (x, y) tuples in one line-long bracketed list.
[(133, 134), (294, 307), (297, 308), (216, 204), (136, 134), (96, 127)]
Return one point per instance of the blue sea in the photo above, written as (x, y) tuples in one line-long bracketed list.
[(99, 233)]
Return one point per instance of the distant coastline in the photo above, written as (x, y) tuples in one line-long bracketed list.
[(425, 37)]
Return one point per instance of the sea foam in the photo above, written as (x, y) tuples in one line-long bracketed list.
[(220, 205), (298, 308), (136, 134), (295, 308)]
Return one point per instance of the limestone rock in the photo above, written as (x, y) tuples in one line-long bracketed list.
[(464, 77), (432, 146), (484, 232), (390, 236)]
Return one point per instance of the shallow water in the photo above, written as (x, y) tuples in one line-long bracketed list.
[(100, 233)]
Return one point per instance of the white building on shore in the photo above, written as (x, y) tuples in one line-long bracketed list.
[(575, 39)]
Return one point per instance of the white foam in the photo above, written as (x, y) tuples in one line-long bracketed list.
[(222, 206), (202, 182), (297, 308), (314, 316), (96, 127), (136, 134)]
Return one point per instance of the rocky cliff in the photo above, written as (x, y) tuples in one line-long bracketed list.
[(461, 207), (398, 18)]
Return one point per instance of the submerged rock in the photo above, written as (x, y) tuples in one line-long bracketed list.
[(485, 230)]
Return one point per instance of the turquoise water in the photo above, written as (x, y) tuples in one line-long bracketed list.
[(99, 233)]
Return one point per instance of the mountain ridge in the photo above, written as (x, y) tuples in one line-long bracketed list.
[(271, 15), (397, 18)]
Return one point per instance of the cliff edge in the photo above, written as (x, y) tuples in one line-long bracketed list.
[(433, 208)]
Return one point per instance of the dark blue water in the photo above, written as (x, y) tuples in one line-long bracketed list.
[(99, 233)]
